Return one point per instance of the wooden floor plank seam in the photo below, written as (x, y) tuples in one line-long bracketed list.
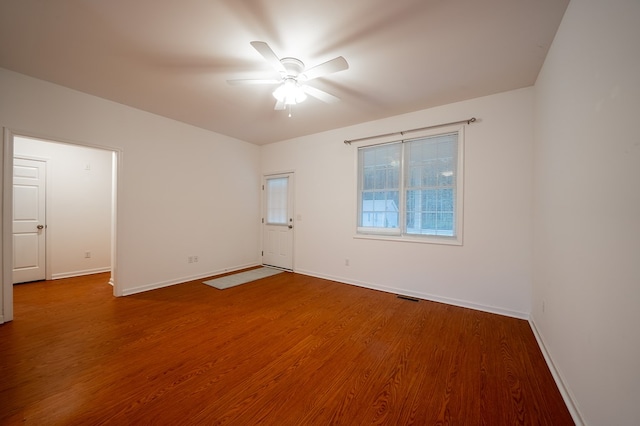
[(284, 350)]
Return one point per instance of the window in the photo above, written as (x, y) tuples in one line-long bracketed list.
[(412, 189), (277, 204)]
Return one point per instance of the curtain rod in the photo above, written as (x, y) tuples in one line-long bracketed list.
[(469, 121)]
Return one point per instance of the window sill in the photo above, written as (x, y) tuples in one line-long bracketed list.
[(450, 241)]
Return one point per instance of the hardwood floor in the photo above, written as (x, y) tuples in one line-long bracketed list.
[(286, 350)]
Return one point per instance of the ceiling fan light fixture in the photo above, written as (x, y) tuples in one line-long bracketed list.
[(292, 85), (290, 92)]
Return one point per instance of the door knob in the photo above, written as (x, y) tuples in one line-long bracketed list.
[(40, 226), (290, 226)]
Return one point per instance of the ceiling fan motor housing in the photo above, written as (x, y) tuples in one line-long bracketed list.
[(293, 66)]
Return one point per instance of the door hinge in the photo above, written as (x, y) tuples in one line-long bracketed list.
[(263, 220), (262, 253), (263, 187)]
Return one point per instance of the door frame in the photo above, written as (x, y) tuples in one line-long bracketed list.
[(47, 201), (263, 205), (6, 228)]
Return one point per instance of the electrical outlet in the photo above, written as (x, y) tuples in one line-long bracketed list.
[(190, 259), (346, 262), (195, 259), (87, 255)]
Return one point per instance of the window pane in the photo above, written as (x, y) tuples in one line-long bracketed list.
[(429, 173), (379, 210), (277, 192), (445, 200), (369, 178), (430, 185), (393, 177), (430, 199), (379, 180)]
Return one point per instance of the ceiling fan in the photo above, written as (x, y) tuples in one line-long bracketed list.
[(292, 88)]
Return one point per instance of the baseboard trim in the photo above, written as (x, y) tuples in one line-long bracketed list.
[(557, 377), (420, 295), (79, 273), (182, 280)]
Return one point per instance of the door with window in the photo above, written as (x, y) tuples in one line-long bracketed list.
[(277, 243), (29, 227)]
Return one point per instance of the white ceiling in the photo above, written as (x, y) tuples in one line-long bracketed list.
[(173, 58)]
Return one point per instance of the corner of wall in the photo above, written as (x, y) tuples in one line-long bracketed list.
[(557, 376)]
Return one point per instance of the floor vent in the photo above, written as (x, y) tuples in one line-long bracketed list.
[(409, 298)]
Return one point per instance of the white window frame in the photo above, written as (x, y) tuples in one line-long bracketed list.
[(399, 234)]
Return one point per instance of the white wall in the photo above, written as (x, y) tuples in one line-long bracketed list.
[(490, 271), (78, 205), (182, 191), (587, 208), (563, 185)]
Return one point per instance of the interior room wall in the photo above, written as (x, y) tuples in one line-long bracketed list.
[(182, 191), (490, 271), (79, 205), (587, 209)]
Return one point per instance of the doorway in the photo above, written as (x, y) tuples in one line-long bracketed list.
[(111, 159), (277, 221)]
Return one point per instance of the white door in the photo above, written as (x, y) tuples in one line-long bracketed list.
[(29, 227), (277, 243)]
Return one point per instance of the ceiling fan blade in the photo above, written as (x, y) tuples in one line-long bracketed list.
[(321, 95), (245, 81), (268, 54), (329, 67), (279, 106)]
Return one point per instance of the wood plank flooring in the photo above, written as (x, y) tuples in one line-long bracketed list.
[(286, 350)]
